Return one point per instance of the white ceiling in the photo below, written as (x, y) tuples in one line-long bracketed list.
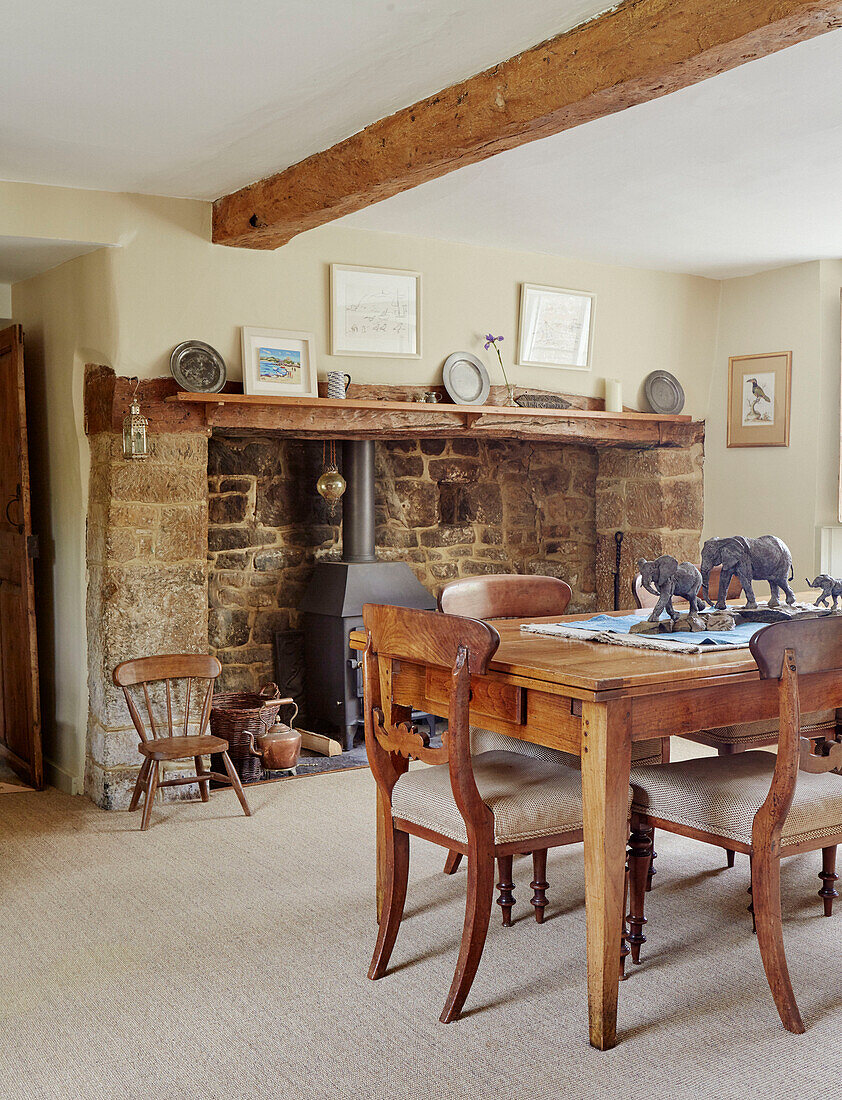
[(23, 257), (198, 97), (736, 174)]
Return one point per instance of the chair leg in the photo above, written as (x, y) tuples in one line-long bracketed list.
[(151, 788), (451, 864), (650, 874), (477, 915), (204, 784), (539, 883), (766, 894), (640, 856), (828, 876), (396, 844), (235, 783), (142, 777), (506, 886), (729, 857), (625, 950)]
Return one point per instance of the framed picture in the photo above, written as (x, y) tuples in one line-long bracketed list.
[(375, 311), (556, 327), (278, 363), (758, 400)]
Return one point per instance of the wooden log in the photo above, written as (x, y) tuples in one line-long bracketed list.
[(639, 51)]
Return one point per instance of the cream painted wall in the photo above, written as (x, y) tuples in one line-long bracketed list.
[(5, 302), (128, 306), (788, 491)]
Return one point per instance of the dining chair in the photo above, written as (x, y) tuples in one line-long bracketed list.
[(171, 739), (765, 805), (521, 596), (487, 806)]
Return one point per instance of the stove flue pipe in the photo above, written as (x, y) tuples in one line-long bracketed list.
[(358, 500)]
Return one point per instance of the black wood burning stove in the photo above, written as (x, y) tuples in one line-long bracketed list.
[(333, 603)]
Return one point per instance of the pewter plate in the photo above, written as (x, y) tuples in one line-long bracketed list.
[(198, 367), (663, 392), (465, 379)]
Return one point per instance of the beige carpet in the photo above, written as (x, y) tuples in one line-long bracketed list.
[(223, 958)]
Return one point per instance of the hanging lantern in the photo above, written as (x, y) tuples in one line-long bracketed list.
[(135, 442), (331, 484)]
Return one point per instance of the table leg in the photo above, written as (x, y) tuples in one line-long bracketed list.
[(606, 762)]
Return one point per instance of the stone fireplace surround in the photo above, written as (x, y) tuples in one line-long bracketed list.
[(210, 542)]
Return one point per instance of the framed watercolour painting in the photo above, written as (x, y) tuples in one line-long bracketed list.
[(759, 399), (278, 363), (556, 327), (375, 311)]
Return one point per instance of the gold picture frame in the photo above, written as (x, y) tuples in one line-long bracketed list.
[(759, 393)]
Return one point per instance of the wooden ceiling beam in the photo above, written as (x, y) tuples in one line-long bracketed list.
[(639, 51)]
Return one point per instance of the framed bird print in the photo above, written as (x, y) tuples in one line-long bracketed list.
[(759, 399)]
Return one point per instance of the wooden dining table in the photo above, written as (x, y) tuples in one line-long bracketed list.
[(593, 700)]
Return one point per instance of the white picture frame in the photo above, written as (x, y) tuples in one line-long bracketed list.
[(279, 363), (555, 327), (375, 311)]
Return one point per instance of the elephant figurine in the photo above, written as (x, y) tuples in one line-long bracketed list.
[(665, 578), (763, 559), (831, 589)]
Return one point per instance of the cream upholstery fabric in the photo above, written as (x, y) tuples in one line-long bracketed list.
[(529, 797), (761, 733), (722, 795), (482, 740)]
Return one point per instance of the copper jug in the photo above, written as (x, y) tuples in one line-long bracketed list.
[(279, 747)]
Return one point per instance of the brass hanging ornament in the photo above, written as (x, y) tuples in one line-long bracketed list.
[(331, 484)]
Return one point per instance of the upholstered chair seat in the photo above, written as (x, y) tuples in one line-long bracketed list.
[(483, 740), (702, 794), (746, 734), (528, 796)]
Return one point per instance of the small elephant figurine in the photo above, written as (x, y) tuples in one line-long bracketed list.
[(831, 589), (665, 578)]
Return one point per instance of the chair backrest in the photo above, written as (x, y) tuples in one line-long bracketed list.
[(784, 651), (174, 673), (397, 639), (644, 598), (505, 596)]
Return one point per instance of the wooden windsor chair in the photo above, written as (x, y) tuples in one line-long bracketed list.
[(485, 806), (178, 743), (764, 805)]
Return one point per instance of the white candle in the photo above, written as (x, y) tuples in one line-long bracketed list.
[(613, 395)]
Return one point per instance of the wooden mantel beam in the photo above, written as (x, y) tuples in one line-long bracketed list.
[(639, 51)]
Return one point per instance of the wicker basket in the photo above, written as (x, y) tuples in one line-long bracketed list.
[(237, 717)]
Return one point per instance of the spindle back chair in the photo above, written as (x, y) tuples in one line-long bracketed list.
[(172, 678)]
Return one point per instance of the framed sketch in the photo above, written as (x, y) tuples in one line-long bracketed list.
[(758, 400), (556, 327), (375, 311), (278, 363)]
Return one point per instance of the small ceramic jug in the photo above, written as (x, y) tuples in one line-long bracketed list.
[(337, 384)]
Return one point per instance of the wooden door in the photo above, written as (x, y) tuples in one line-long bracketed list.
[(20, 711)]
